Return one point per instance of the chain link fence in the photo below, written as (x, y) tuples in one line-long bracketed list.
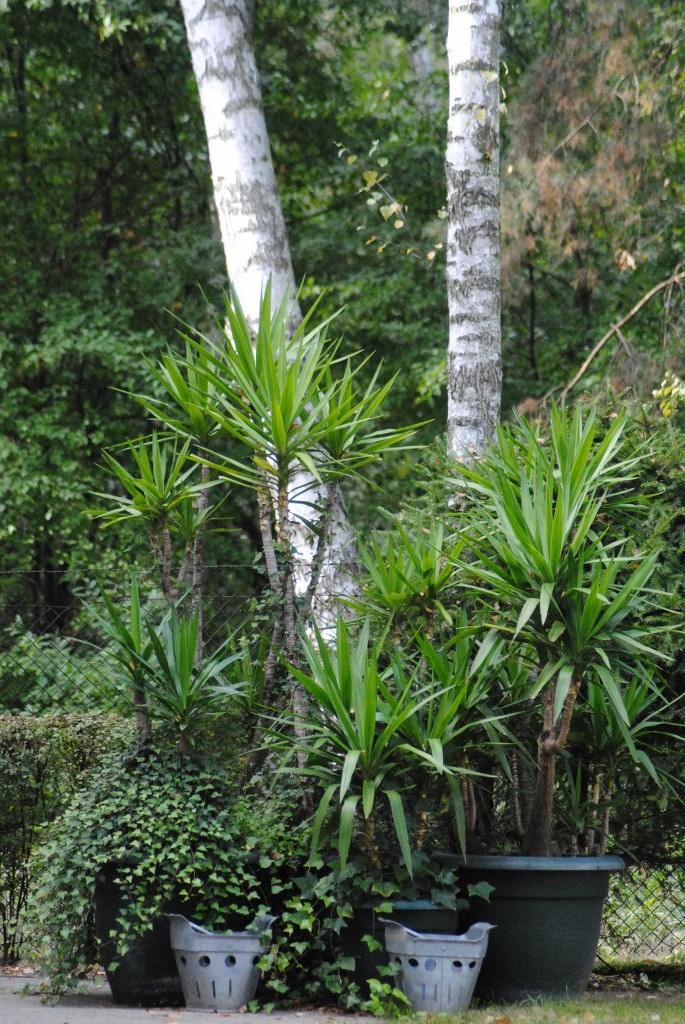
[(56, 662), (644, 918), (54, 657)]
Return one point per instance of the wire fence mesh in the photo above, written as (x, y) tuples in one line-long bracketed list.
[(54, 656), (56, 662), (644, 917)]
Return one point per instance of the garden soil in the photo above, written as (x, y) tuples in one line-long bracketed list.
[(21, 1003)]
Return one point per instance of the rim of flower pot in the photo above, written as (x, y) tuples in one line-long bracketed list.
[(517, 862)]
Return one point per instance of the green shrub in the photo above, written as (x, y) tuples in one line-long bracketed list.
[(167, 827), (41, 760)]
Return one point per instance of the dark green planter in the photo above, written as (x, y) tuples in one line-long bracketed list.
[(548, 913), (146, 975), (420, 915)]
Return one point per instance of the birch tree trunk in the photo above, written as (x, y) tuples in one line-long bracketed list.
[(474, 374), (253, 232), (254, 235)]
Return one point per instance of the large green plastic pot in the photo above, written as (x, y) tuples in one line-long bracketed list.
[(548, 914)]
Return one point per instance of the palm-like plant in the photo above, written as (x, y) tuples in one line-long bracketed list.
[(131, 648), (388, 733), (603, 744), (158, 660), (187, 410), (161, 495), (183, 692), (291, 408), (409, 571), (461, 714), (295, 410), (567, 591), (348, 739)]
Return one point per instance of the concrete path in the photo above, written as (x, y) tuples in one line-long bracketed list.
[(20, 1003)]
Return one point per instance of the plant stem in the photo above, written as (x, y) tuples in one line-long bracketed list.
[(516, 811), (197, 589), (551, 741), (266, 530), (538, 839), (142, 715)]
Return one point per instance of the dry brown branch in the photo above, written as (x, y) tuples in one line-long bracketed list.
[(615, 329)]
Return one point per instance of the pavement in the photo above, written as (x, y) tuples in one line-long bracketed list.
[(21, 1002)]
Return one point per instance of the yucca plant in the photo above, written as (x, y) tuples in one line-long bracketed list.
[(295, 411), (604, 745), (162, 491), (186, 409), (271, 411), (158, 661), (131, 648), (183, 693), (559, 581), (409, 571), (381, 737), (461, 716)]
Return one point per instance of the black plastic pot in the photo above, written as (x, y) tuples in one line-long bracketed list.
[(146, 975), (420, 915), (548, 914)]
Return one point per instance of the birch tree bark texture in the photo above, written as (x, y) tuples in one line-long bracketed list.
[(253, 231), (256, 249), (474, 369)]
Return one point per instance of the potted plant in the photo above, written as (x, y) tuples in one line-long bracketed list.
[(254, 411), (548, 556), (386, 742), (155, 832)]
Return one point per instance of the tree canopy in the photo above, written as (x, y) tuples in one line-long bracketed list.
[(109, 227)]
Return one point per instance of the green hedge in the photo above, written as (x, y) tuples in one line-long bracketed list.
[(41, 762)]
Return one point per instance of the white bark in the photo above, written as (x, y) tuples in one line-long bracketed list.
[(473, 234), (251, 221), (253, 231)]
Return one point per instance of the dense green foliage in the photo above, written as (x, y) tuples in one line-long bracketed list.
[(109, 224), (168, 828), (108, 232), (163, 828), (109, 221), (42, 762)]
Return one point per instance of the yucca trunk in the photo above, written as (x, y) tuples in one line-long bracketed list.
[(551, 741), (538, 837), (474, 373)]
